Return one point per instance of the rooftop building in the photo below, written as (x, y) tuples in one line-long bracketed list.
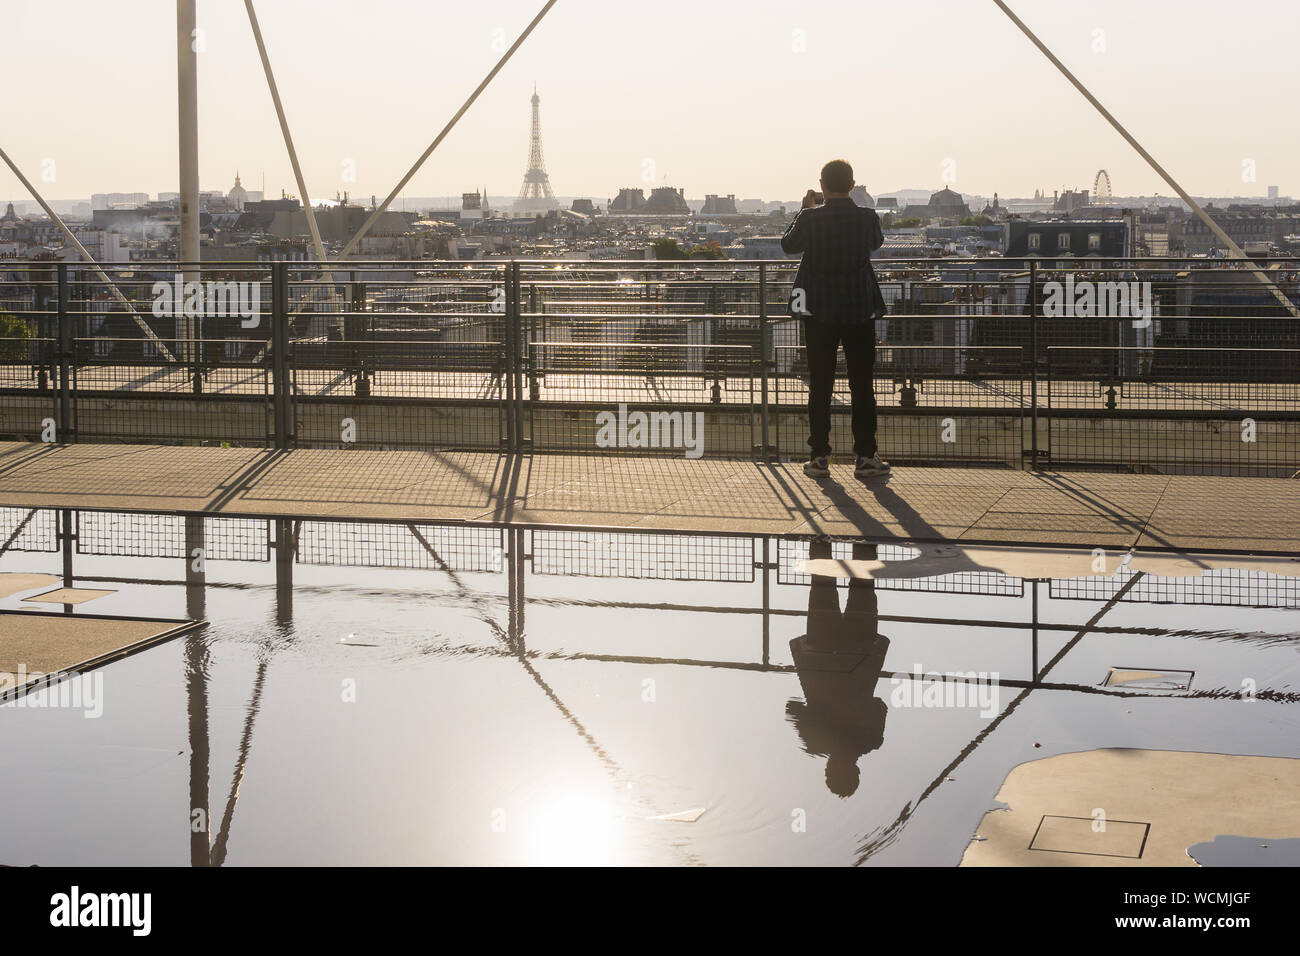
[(719, 206), (628, 200), (665, 200)]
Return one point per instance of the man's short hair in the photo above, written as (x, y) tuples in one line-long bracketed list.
[(837, 176)]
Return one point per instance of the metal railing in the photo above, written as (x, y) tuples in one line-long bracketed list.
[(1177, 365)]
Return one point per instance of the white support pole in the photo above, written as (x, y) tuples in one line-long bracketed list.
[(288, 142), (76, 244), (383, 207), (187, 105), (1213, 226)]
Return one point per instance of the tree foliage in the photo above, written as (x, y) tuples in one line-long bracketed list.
[(14, 334), (666, 248)]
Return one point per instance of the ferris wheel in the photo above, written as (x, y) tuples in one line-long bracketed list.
[(1101, 187)]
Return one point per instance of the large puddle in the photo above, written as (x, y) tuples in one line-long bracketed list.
[(455, 695)]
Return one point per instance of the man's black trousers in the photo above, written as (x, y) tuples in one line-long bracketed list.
[(823, 341)]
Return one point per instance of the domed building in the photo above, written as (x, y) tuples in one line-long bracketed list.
[(945, 204), (237, 196)]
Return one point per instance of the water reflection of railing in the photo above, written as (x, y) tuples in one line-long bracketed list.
[(734, 558), (1230, 587)]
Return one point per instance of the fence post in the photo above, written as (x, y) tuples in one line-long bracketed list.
[(64, 333), (521, 356), (281, 390), (509, 346), (764, 342), (1033, 363), (354, 334)]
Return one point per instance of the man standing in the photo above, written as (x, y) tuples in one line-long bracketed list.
[(836, 294)]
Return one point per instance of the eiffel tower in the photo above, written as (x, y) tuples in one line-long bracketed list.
[(535, 195)]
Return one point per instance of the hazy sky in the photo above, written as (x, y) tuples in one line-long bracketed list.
[(722, 95)]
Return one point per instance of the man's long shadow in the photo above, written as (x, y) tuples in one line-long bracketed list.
[(914, 527), (944, 556)]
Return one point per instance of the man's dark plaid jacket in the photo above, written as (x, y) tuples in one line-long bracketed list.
[(836, 239)]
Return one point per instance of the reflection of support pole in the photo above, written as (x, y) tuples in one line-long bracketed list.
[(187, 103), (68, 538), (68, 542), (285, 545), (241, 762), (1034, 633), (196, 694), (515, 591), (1210, 224), (196, 554), (767, 603)]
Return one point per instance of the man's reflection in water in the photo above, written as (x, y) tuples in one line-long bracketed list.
[(839, 662)]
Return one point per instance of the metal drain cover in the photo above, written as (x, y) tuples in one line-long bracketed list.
[(1138, 678)]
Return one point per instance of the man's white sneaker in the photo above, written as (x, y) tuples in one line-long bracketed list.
[(868, 467), (818, 467)]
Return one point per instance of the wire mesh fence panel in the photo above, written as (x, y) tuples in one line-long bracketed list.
[(29, 399), (402, 357), (1171, 410), (236, 539), (161, 353), (131, 535), (416, 546), (210, 391), (28, 529), (665, 557), (640, 357), (637, 397), (1230, 587), (401, 394), (29, 362), (554, 295), (790, 552), (172, 536)]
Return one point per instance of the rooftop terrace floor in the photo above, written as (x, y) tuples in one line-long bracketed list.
[(1184, 513)]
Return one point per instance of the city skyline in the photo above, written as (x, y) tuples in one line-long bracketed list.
[(363, 105)]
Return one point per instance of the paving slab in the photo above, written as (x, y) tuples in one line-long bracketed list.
[(1087, 530), (68, 596), (33, 643), (1226, 514), (1154, 805), (1000, 506)]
